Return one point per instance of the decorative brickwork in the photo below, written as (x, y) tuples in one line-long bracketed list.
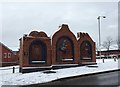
[(86, 45), (36, 49), (64, 46), (64, 37)]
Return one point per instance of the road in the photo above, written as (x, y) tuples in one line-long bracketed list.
[(111, 78)]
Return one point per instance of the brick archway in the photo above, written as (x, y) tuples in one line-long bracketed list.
[(37, 52), (64, 50), (86, 50), (85, 42), (64, 33)]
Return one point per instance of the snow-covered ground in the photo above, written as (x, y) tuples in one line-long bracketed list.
[(9, 78)]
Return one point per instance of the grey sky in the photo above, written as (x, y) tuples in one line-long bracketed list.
[(20, 18)]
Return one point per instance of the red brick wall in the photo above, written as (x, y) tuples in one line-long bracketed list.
[(12, 60), (5, 50), (64, 31), (110, 52), (86, 37), (25, 43)]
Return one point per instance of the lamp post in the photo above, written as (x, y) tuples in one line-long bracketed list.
[(99, 26)]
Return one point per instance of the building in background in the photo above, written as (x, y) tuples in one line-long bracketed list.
[(8, 57), (109, 54)]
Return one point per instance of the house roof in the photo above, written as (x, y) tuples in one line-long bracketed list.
[(6, 47)]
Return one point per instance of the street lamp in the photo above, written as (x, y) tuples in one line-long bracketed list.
[(99, 17)]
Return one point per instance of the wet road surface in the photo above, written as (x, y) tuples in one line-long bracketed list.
[(111, 78)]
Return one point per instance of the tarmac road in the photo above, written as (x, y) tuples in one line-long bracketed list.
[(111, 78)]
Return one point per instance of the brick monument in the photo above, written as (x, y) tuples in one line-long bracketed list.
[(38, 50), (64, 46), (87, 48), (35, 50)]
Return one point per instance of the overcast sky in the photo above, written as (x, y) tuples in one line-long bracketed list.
[(19, 18)]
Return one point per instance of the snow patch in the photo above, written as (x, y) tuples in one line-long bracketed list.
[(9, 78)]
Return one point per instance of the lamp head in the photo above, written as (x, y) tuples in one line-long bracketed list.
[(104, 16)]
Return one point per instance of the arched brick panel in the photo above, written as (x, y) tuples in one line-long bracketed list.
[(64, 50), (40, 42), (37, 52), (65, 34), (87, 49)]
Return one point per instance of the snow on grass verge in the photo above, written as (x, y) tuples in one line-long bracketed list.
[(9, 78)]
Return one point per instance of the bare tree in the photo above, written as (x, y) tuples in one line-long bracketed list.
[(107, 44)]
